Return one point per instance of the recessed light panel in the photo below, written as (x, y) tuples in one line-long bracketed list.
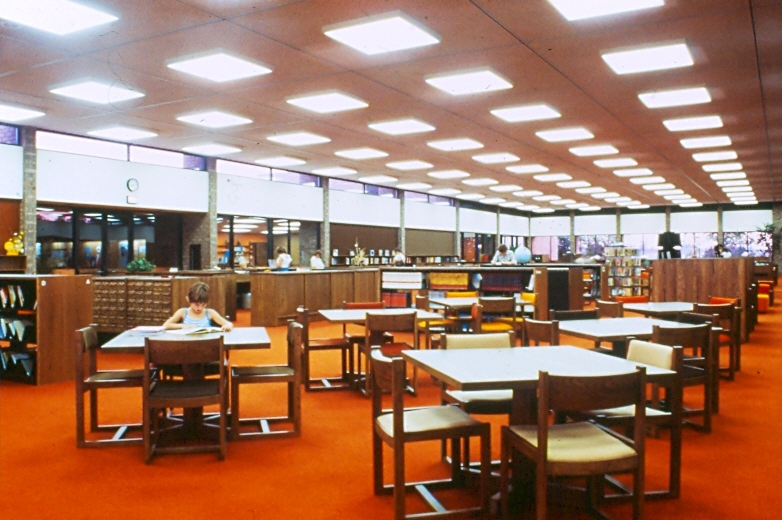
[(722, 167), (573, 184), (590, 208), (528, 193), (445, 191), (590, 190), (470, 82), (298, 139), (361, 153), (578, 205), (492, 200), (727, 155), (121, 133), (706, 142), (546, 198), (448, 174), (495, 158), (617, 199), (633, 172), (481, 181), (627, 203), (663, 186), (402, 127), (552, 177), (414, 186), (562, 202), (505, 188), (388, 32), (647, 180), (745, 202), (214, 119), (691, 205), (522, 113), (280, 161), (681, 196), (675, 98), (59, 17), (470, 196), (733, 183), (96, 92), (693, 123), (11, 114), (409, 165), (669, 192), (649, 59), (336, 171), (574, 10), (220, 67), (212, 149), (511, 204), (615, 163), (452, 145), (605, 195), (638, 206), (379, 179), (528, 207), (587, 151), (527, 168), (737, 189), (728, 176), (328, 102), (543, 210), (565, 134)]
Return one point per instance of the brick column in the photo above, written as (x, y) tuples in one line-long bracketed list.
[(201, 228), (27, 212), (325, 228), (401, 237)]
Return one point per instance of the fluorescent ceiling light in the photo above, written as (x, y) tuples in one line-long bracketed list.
[(728, 176), (470, 196), (11, 114), (744, 202), (590, 208), (668, 192), (589, 191), (298, 139), (402, 126), (573, 184), (521, 113), (737, 189), (691, 205), (361, 153), (616, 163), (741, 196), (220, 67), (481, 181), (574, 10), (675, 98), (378, 179), (97, 92), (693, 123), (280, 161), (452, 145), (388, 32), (527, 168), (470, 82), (649, 59), (495, 158), (563, 202), (492, 200), (552, 177), (681, 196), (638, 206), (722, 167), (336, 171), (733, 183), (59, 17), (414, 186), (505, 188), (528, 207), (445, 191), (706, 142), (327, 102), (543, 210), (448, 174), (214, 119), (546, 198), (605, 195), (627, 203), (633, 172), (511, 204), (618, 199), (212, 149), (578, 205), (121, 133), (727, 155), (664, 186), (587, 151), (565, 134), (528, 193), (647, 180), (409, 165)]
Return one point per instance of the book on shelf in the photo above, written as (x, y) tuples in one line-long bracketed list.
[(195, 330), (20, 295)]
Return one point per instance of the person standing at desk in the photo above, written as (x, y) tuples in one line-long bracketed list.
[(284, 260), (503, 256), (316, 261), (198, 314), (398, 258)]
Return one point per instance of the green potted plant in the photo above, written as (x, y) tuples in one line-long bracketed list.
[(139, 265)]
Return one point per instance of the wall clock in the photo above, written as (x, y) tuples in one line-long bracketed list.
[(132, 184)]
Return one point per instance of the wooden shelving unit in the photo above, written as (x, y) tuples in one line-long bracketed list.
[(623, 273), (13, 264)]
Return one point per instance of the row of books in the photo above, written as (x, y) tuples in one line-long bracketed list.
[(17, 330), (627, 261), (12, 297), (620, 251), (17, 362), (625, 271)]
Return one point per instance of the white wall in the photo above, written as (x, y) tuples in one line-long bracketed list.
[(694, 222), (239, 195), (514, 225), (475, 221), (746, 220), (80, 179), (356, 208), (594, 225), (550, 226), (11, 168), (422, 215)]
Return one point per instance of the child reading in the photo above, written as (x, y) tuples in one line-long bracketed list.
[(198, 314)]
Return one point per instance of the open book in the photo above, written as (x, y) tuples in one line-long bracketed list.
[(150, 329), (196, 330)]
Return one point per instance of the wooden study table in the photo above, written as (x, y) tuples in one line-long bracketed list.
[(359, 316), (517, 369), (463, 303), (659, 309)]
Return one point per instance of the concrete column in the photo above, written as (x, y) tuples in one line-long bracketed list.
[(27, 208), (573, 232), (201, 228), (457, 242), (497, 232), (776, 218), (325, 228), (720, 234), (402, 237)]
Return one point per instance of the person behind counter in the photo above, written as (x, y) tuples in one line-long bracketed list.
[(284, 260), (503, 256), (316, 261), (398, 258), (197, 314)]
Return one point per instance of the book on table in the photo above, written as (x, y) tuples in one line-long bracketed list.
[(195, 330), (149, 329)]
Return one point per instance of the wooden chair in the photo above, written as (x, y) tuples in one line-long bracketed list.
[(736, 302), (90, 379), (398, 427), (191, 392), (729, 320), (289, 374), (462, 319), (698, 368), (579, 448), (494, 315), (572, 315), (642, 298), (606, 309), (658, 414), (432, 326), (538, 331), (378, 326), (339, 344)]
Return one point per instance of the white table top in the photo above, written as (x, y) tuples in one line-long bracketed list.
[(659, 308), (615, 329), (360, 315), (240, 338)]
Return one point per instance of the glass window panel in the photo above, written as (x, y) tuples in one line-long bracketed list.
[(295, 178), (698, 245), (414, 195), (81, 146), (342, 185), (9, 135)]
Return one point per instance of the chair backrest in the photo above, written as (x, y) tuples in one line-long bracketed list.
[(378, 324), (698, 318), (606, 309), (388, 376), (573, 315), (539, 330), (295, 345), (696, 336), (86, 345), (655, 354), (495, 307), (632, 299), (528, 297), (364, 305), (492, 340), (461, 294), (184, 352), (729, 316), (303, 319)]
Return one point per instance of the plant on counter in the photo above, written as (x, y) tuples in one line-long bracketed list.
[(139, 265)]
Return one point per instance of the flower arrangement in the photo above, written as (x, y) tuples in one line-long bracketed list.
[(14, 246), (359, 255)]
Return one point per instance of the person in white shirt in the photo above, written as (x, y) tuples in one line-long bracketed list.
[(503, 256), (284, 260), (398, 258), (316, 261)]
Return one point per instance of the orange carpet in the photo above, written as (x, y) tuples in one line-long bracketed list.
[(326, 473)]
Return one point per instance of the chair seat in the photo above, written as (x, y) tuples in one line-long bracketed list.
[(116, 376), (496, 326), (431, 324), (481, 396), (626, 411), (428, 420), (272, 370), (573, 444), (185, 389), (518, 320)]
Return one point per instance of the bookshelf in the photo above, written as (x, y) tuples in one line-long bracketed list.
[(623, 272), (13, 264)]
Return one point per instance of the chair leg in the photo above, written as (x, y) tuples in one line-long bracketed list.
[(504, 469), (234, 409), (377, 463), (399, 482), (79, 417), (485, 469), (541, 491), (93, 410)]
